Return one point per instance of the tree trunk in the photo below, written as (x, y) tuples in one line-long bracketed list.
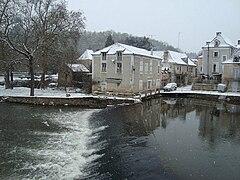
[(11, 77), (6, 78), (43, 82), (31, 71), (44, 59)]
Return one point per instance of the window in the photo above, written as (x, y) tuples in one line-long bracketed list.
[(158, 84), (150, 67), (149, 84), (104, 67), (215, 54), (119, 67), (146, 68), (140, 85), (141, 67), (236, 59), (104, 56), (214, 67), (224, 58), (216, 43), (119, 55)]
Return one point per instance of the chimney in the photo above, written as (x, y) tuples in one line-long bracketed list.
[(238, 42), (152, 51), (207, 43), (218, 33), (165, 56)]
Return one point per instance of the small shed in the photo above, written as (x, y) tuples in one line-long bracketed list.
[(76, 76)]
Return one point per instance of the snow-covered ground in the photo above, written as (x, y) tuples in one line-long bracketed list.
[(53, 93), (187, 89), (24, 92)]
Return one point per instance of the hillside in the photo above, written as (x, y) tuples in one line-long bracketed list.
[(97, 40)]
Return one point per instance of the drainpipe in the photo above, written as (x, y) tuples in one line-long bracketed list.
[(208, 58)]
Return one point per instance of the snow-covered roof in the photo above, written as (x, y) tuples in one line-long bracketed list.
[(158, 53), (173, 57), (125, 49), (223, 41), (191, 63), (177, 57), (87, 55), (194, 60), (78, 68)]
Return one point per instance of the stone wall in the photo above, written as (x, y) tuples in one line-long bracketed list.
[(206, 87), (86, 102)]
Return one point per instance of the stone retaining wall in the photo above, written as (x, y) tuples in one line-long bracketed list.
[(86, 102), (229, 99), (205, 87)]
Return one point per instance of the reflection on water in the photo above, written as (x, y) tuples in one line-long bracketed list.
[(172, 139), (158, 139)]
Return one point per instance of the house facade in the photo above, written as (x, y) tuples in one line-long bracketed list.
[(176, 67), (125, 69), (215, 52), (231, 72)]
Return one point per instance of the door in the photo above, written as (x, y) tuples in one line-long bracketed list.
[(234, 86)]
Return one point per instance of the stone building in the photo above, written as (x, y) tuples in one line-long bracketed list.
[(216, 51), (231, 72), (75, 76), (124, 69), (176, 67)]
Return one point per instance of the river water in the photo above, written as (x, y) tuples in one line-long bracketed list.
[(159, 139)]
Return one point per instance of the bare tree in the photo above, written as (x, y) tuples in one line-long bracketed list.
[(38, 25), (20, 34), (53, 21), (8, 59)]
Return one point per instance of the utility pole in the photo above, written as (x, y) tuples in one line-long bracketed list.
[(179, 33), (208, 59)]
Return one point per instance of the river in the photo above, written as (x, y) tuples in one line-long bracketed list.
[(159, 139)]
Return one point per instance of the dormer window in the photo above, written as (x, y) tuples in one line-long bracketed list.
[(236, 59), (119, 55), (216, 43), (104, 56)]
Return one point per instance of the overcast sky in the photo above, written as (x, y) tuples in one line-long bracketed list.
[(193, 22)]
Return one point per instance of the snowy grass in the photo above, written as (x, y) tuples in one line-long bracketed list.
[(25, 92)]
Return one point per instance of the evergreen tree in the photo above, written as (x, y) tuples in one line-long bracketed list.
[(109, 41), (140, 42)]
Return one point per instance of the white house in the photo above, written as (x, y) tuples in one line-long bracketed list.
[(125, 69), (216, 51)]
